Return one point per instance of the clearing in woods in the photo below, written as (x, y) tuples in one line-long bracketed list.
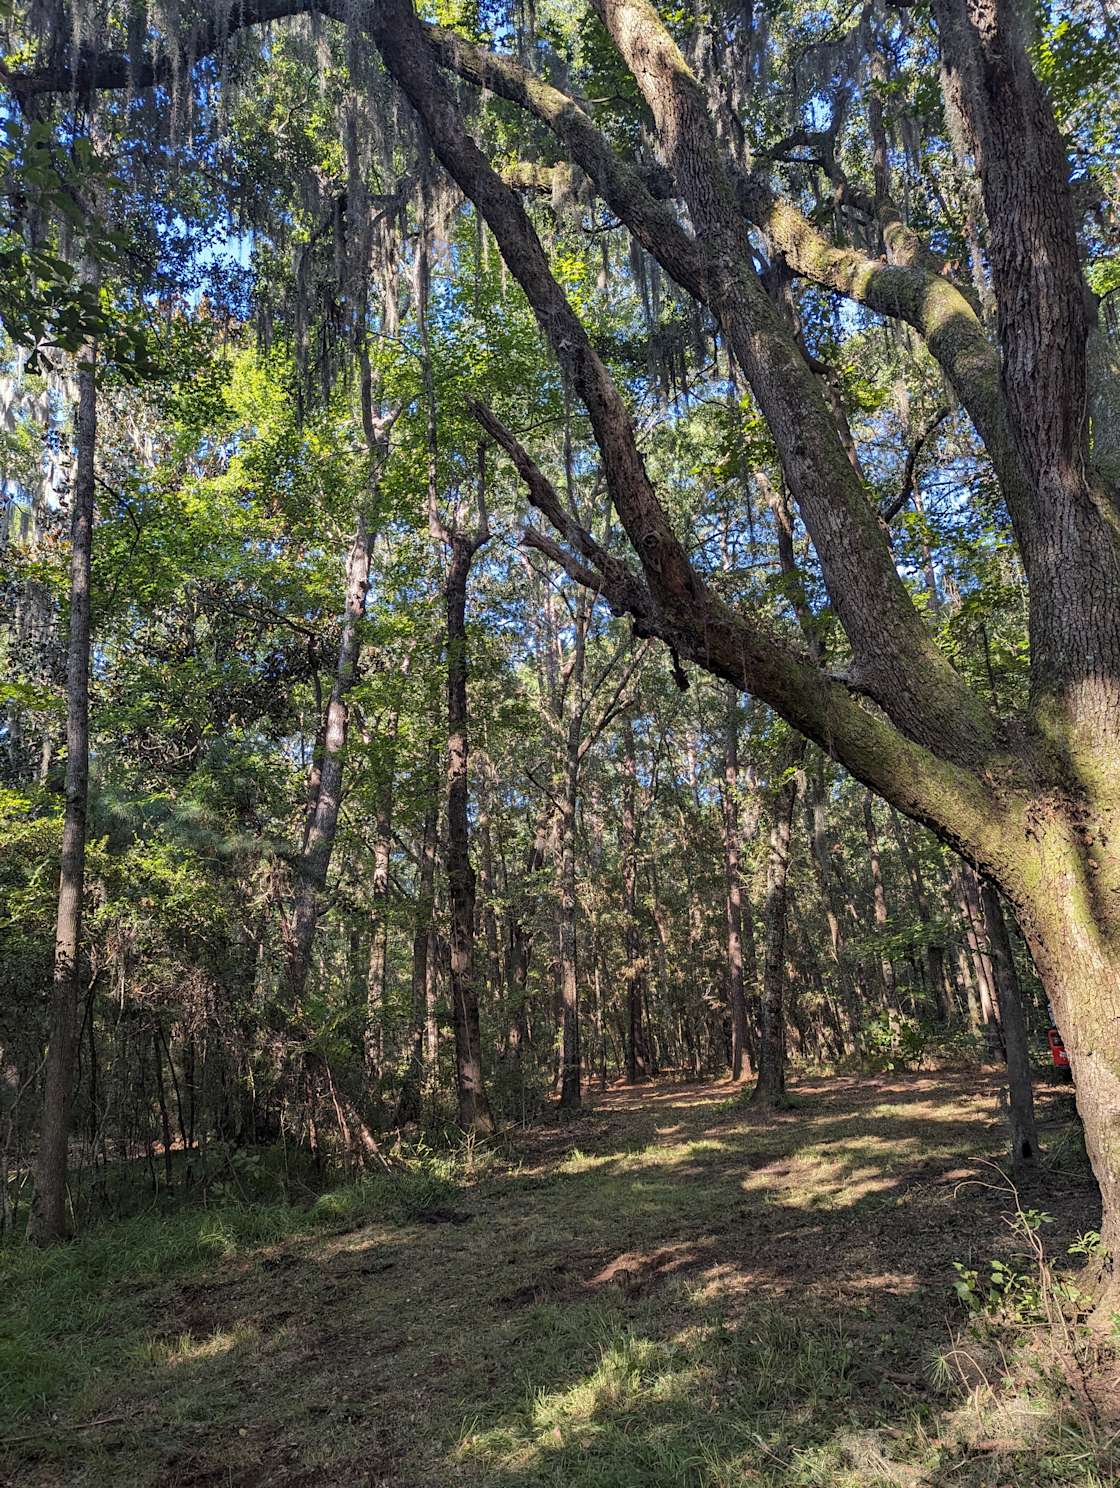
[(671, 1290)]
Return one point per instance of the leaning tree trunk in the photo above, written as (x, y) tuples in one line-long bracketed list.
[(325, 783), (1033, 807), (47, 1219), (771, 1084), (474, 1107)]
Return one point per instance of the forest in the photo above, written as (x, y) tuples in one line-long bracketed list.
[(559, 743)]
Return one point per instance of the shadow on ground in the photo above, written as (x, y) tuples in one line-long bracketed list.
[(674, 1289)]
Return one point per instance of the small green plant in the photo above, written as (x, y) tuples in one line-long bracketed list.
[(1025, 1297), (241, 1176), (1006, 1294), (1089, 1244), (894, 1041)]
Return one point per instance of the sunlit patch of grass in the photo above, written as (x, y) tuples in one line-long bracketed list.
[(705, 1402), (688, 1297), (578, 1161), (629, 1369), (187, 1349)]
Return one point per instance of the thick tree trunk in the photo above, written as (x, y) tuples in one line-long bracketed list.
[(941, 757), (474, 1107), (47, 1218), (934, 749), (1079, 964)]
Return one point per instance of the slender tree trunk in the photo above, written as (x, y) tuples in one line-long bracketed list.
[(968, 902), (315, 771), (968, 983), (570, 1095), (732, 851), (316, 856), (373, 1042), (489, 918), (879, 901), (934, 950), (474, 1107), (432, 974), (1024, 1132), (325, 783), (164, 1115), (820, 844), (47, 1218), (634, 969), (410, 1104), (771, 1085), (520, 934)]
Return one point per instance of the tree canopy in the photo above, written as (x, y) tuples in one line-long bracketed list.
[(589, 540)]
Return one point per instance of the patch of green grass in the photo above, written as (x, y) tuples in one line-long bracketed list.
[(672, 1393), (689, 1298), (73, 1314), (675, 1396)]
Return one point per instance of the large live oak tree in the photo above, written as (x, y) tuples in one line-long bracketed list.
[(1031, 801)]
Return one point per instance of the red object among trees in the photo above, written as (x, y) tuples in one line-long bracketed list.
[(1057, 1048)]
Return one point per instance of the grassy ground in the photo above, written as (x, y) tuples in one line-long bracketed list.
[(672, 1290)]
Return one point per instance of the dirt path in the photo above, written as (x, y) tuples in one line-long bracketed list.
[(670, 1290)]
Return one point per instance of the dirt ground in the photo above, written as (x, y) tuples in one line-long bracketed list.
[(673, 1289)]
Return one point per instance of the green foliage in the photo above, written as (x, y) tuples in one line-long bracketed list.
[(1076, 61), (1008, 1295), (895, 1041), (1005, 1294), (46, 302)]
